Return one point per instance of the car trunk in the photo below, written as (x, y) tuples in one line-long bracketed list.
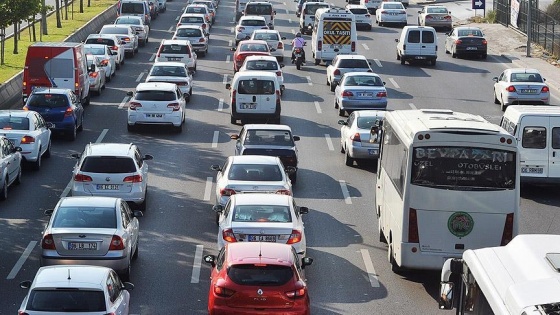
[(287, 156), (107, 184), (262, 232), (364, 94), (247, 187), (81, 242), (14, 136)]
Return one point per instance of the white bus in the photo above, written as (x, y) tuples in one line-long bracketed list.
[(521, 278), (446, 182)]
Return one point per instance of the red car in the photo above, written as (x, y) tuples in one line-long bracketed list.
[(258, 278), (249, 48)]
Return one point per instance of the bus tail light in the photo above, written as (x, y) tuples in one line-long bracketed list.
[(413, 227), (320, 45), (508, 230), (353, 46)]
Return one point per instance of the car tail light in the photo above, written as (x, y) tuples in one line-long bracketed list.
[(22, 313), (413, 227), (447, 17), (228, 236), (117, 243), (159, 52), (484, 42), (104, 62), (68, 112), (240, 29), (279, 73), (264, 27), (174, 106), (545, 89), (353, 46), (301, 292), (284, 192), (233, 97), (381, 94), (179, 24), (126, 39), (508, 230), (133, 179), (82, 178), (366, 1), (201, 40), (48, 242), (94, 74), (222, 291), (239, 57), (227, 192), (336, 72), (295, 237), (511, 88), (115, 48), (134, 105), (356, 137), (320, 45), (347, 93), (280, 45), (27, 140), (429, 17), (458, 42), (383, 12)]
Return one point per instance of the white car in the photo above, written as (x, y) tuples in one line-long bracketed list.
[(196, 35), (177, 50), (196, 20), (342, 64), (137, 23), (29, 131), (172, 72), (361, 13), (262, 218), (113, 42), (520, 86), (391, 13), (10, 166), (96, 74), (126, 34), (265, 63), (199, 9), (246, 25), (273, 39), (108, 58), (157, 104), (80, 288)]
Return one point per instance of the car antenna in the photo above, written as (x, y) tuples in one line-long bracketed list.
[(260, 251), (69, 278)]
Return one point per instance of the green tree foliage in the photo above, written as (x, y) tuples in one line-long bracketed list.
[(554, 10)]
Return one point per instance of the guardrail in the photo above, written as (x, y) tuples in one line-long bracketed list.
[(10, 91)]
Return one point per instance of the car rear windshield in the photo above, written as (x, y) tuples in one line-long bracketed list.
[(169, 71), (63, 301), (393, 6), (85, 217), (255, 172), (95, 51), (48, 100), (104, 41), (254, 47), (261, 275), (261, 65), (256, 87), (253, 23), (262, 213), (108, 164), (174, 49), (192, 20), (14, 123), (367, 122), (437, 10), (189, 32), (353, 63), (258, 9), (470, 32), (359, 11), (266, 36), (357, 80), (132, 8), (196, 10), (526, 77), (312, 8), (114, 30), (155, 96), (269, 137), (128, 21)]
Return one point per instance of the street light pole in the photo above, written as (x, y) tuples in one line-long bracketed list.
[(529, 27)]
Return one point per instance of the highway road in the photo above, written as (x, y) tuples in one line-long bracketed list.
[(350, 274)]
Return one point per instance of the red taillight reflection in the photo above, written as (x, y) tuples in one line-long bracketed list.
[(297, 293), (227, 192), (27, 140), (336, 72), (68, 112), (353, 46), (545, 89), (134, 105), (347, 93), (295, 237), (174, 106), (223, 292), (284, 192), (511, 88), (228, 236)]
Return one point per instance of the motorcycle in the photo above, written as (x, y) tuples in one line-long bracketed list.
[(298, 57)]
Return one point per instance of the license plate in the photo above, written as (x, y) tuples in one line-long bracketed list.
[(532, 170), (472, 48), (372, 151), (82, 246), (393, 14), (107, 187), (297, 55), (262, 238), (365, 94), (529, 91), (420, 57), (154, 115), (249, 106), (174, 58)]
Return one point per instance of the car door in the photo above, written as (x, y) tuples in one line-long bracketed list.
[(13, 163), (535, 152), (221, 179), (345, 131), (554, 152), (501, 84), (224, 221), (121, 297), (142, 167), (240, 141), (449, 39), (77, 108), (129, 224), (428, 47), (41, 132)]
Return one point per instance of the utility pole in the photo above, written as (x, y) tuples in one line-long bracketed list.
[(529, 27), (44, 18)]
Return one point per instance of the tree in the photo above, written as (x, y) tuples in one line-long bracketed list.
[(17, 11), (57, 9)]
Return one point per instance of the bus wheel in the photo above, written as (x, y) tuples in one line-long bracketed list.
[(382, 238)]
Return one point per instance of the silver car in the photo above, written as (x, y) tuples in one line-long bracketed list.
[(100, 231), (360, 90), (435, 16), (356, 139), (196, 35), (172, 72), (108, 58), (137, 24), (126, 34), (391, 13)]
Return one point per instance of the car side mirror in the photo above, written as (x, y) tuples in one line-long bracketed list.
[(137, 214), (296, 138), (445, 300), (215, 167), (303, 210), (420, 11), (76, 155), (228, 86), (233, 49), (148, 157), (91, 68), (374, 134), (17, 149), (272, 49), (343, 122), (543, 79), (384, 83), (210, 259), (396, 40), (306, 261), (25, 284), (129, 93), (48, 212), (114, 53), (128, 286), (234, 137), (50, 125), (495, 79), (137, 32), (218, 208)]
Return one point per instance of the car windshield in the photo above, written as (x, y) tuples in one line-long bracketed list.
[(310, 9), (260, 275), (174, 49), (353, 63), (108, 164), (357, 80), (393, 6), (256, 87), (104, 41), (196, 10), (14, 123), (437, 10), (255, 172), (261, 65), (269, 137), (266, 36), (168, 71), (526, 77), (66, 300), (262, 213), (48, 100), (114, 30), (94, 50), (367, 122), (470, 33), (188, 32), (253, 23), (155, 96), (88, 216)]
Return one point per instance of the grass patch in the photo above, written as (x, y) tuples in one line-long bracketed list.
[(13, 63), (489, 18)]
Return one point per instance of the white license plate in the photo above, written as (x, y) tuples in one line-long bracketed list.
[(372, 151), (82, 246), (249, 106), (532, 170), (154, 115), (107, 187), (529, 91), (365, 94), (420, 57), (472, 48), (174, 58), (262, 238)]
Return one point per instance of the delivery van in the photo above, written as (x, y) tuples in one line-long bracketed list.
[(537, 129), (261, 8), (417, 43), (59, 65), (307, 15), (334, 32)]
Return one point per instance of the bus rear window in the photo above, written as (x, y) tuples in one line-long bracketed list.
[(463, 168)]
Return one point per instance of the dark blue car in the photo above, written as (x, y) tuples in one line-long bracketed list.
[(61, 107)]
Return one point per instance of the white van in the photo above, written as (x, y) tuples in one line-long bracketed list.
[(307, 15), (371, 5), (334, 32), (537, 129), (135, 8), (417, 43), (261, 8), (254, 94)]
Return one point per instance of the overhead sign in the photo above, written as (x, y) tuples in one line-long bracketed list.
[(478, 4)]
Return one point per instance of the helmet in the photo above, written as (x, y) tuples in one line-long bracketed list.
[(298, 34)]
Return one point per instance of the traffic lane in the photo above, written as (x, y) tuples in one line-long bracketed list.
[(539, 209)]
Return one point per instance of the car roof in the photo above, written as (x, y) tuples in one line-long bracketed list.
[(261, 199), (50, 90), (353, 73), (96, 201), (266, 31), (266, 126), (348, 56), (116, 26), (252, 17), (193, 14), (468, 28), (369, 113), (175, 42), (355, 6), (254, 159), (16, 112), (523, 70), (95, 45), (126, 17), (261, 57), (102, 36), (113, 149), (160, 86), (168, 63), (189, 26), (255, 74), (259, 252), (254, 41), (80, 276)]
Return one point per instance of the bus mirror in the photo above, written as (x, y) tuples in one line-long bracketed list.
[(446, 296)]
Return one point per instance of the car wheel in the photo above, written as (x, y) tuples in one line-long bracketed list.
[(333, 86), (130, 128), (446, 50), (122, 60), (380, 23), (382, 238), (340, 112), (503, 106), (433, 62), (125, 274), (293, 178), (135, 255), (217, 220), (136, 50), (484, 56), (402, 60), (4, 192), (108, 79), (348, 160), (37, 163), (335, 103), (47, 153), (342, 148), (453, 53), (232, 120), (118, 64), (81, 127), (73, 133), (394, 267), (317, 62), (398, 56)]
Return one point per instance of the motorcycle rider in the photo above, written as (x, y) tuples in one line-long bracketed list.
[(298, 42)]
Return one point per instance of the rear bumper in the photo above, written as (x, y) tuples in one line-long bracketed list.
[(359, 152), (174, 118), (418, 57), (347, 104), (423, 260), (116, 263), (464, 51), (136, 196)]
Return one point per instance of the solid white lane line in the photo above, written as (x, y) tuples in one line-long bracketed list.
[(215, 139), (21, 260), (230, 43), (208, 188), (412, 105), (124, 101), (225, 79), (394, 83), (140, 76), (309, 81), (345, 192), (378, 63), (101, 136), (221, 105), (228, 58), (196, 264), (369, 268), (318, 107), (152, 57), (329, 142), (365, 46)]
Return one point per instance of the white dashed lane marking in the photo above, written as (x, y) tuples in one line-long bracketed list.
[(208, 188), (225, 78), (221, 105), (318, 107), (140, 76), (394, 83), (329, 142), (228, 58), (215, 139), (369, 268), (124, 101), (378, 63), (345, 192), (196, 264), (13, 273), (309, 81), (365, 46), (412, 105)]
